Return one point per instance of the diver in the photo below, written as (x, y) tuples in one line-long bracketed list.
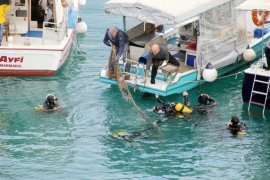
[(50, 104), (206, 103), (206, 100), (128, 136), (235, 126), (171, 109)]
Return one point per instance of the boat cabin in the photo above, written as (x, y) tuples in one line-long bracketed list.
[(34, 19)]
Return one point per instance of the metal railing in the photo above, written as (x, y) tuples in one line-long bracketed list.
[(53, 31)]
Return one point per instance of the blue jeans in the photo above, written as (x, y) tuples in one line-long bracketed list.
[(1, 32)]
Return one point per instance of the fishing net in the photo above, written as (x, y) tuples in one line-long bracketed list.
[(115, 72)]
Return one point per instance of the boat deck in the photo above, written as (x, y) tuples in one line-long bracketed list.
[(258, 71), (36, 40)]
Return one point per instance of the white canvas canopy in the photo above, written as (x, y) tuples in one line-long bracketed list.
[(250, 5), (161, 11)]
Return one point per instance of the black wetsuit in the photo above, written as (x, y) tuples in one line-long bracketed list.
[(206, 104), (119, 41), (235, 128), (50, 106), (169, 108)]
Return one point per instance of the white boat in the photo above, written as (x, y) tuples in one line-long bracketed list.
[(201, 32), (35, 45), (256, 83)]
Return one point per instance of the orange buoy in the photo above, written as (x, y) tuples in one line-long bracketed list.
[(259, 18)]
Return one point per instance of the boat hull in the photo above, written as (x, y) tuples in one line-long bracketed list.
[(187, 81), (247, 88), (34, 61)]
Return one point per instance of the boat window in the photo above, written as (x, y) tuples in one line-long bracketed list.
[(21, 13), (20, 3)]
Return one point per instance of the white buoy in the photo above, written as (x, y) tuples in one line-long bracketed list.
[(209, 73), (82, 2), (249, 55), (81, 26)]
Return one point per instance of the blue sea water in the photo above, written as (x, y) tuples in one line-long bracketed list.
[(75, 143)]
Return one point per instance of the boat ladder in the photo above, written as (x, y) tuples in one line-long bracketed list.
[(261, 92)]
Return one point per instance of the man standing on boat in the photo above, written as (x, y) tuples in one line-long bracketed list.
[(4, 7), (157, 55), (119, 38)]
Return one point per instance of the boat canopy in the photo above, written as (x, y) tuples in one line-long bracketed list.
[(161, 11), (250, 5)]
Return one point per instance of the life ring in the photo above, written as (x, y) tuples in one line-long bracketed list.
[(259, 18)]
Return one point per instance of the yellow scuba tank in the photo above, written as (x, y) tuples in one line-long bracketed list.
[(119, 134), (183, 109), (241, 133)]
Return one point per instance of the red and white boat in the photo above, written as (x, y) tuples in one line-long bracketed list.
[(37, 44)]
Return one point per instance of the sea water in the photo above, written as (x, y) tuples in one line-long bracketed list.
[(75, 143)]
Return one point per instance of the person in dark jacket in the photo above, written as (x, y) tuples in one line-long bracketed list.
[(120, 40), (157, 55)]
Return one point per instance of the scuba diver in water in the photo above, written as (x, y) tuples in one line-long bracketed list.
[(171, 109), (128, 136), (235, 126), (206, 100), (205, 105), (50, 104)]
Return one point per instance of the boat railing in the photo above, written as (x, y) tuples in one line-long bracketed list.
[(54, 31)]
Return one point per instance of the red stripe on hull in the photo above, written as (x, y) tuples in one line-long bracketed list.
[(27, 72)]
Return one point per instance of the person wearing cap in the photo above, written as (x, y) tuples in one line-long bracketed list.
[(158, 55), (120, 40), (4, 8), (51, 103), (171, 109), (235, 126)]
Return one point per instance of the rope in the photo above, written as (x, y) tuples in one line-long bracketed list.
[(123, 86)]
